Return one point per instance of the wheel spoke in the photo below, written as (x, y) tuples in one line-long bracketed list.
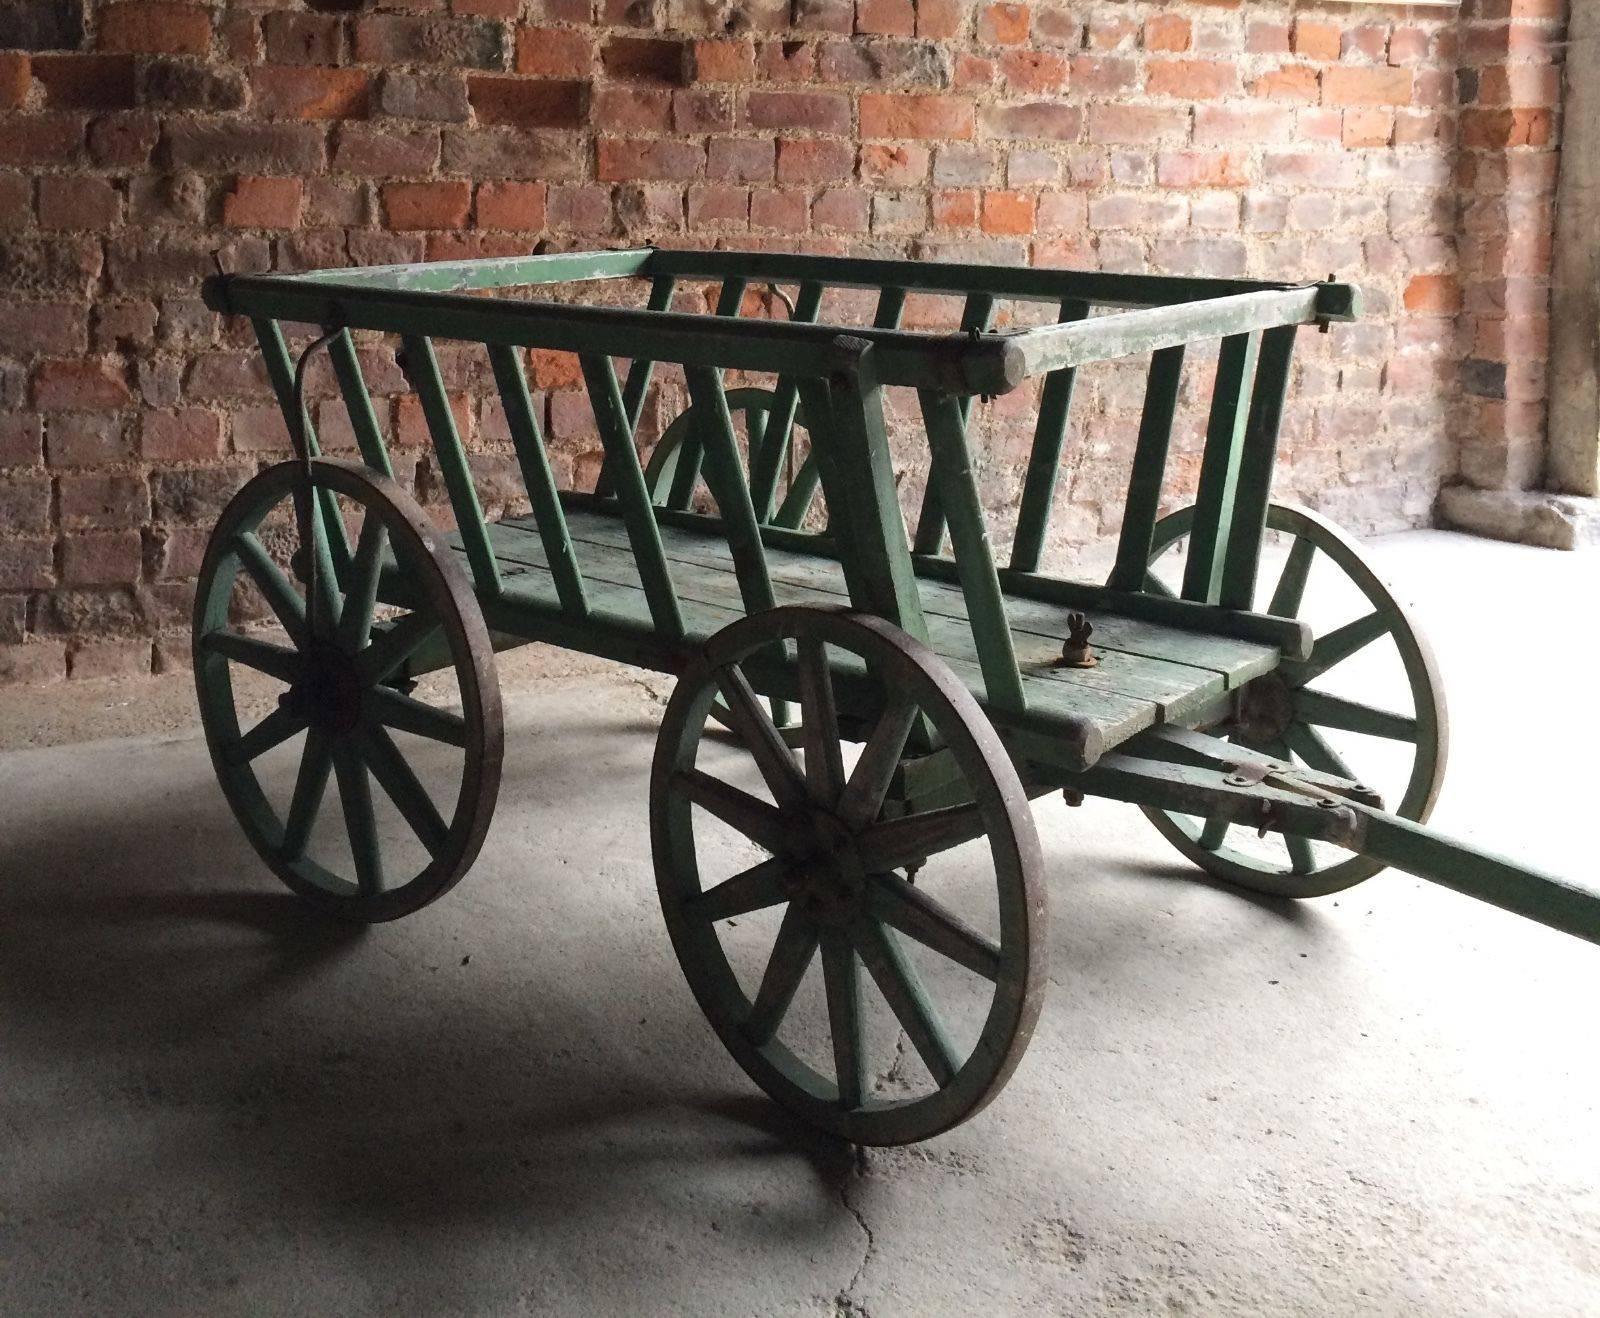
[(762, 739), (355, 793), (1312, 747), (1301, 859), (841, 980), (753, 889), (917, 915), (749, 815), (1337, 646), (897, 980), (1326, 711), (316, 761), (1215, 833), (405, 714), (880, 757), (402, 786), (325, 597), (894, 843), (277, 661), (394, 646), (819, 721), (355, 620), (1291, 588), (791, 955), (273, 730), (273, 583)]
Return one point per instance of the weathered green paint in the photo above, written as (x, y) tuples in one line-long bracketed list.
[(1219, 468), (1044, 459), (976, 315), (1149, 469), (1258, 457)]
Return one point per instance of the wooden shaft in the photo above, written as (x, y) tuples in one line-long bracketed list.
[(538, 477)]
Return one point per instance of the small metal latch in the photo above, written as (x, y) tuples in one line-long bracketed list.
[(1075, 650)]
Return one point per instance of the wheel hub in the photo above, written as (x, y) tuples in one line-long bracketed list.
[(827, 880), (1265, 709), (329, 692)]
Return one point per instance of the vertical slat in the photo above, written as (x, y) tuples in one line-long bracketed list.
[(639, 374), (891, 306), (969, 540), (358, 403), (817, 398), (725, 475), (691, 454), (422, 369), (1149, 469), (766, 460), (1044, 460), (1219, 468), (280, 371), (975, 317), (877, 541), (643, 534), (1255, 468), (548, 514)]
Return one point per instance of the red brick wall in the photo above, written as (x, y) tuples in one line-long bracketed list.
[(1199, 136)]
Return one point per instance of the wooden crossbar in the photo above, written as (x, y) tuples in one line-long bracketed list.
[(611, 419), (1219, 468), (951, 470), (1143, 502), (422, 370), (976, 316), (534, 461), (1044, 459)]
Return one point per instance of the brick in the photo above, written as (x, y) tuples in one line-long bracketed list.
[(79, 384), (717, 204), (1291, 82), (155, 27), (551, 370), (848, 210), (1318, 41), (21, 440), (27, 564), (292, 92), (193, 496), (112, 559), (1433, 295), (646, 59), (25, 504), (631, 109), (103, 499), (411, 426), (944, 118), (513, 206), (182, 84), (890, 18), (784, 211), (1202, 169), (1223, 125), (1004, 24), (553, 52), (105, 659), (431, 42), (188, 434), (440, 97), (815, 160), (241, 147), (42, 25), (1367, 128), (292, 38), (724, 61), (525, 103), (78, 202), (1355, 86), (386, 150), (1496, 129), (441, 205), (954, 209), (633, 158), (1192, 79), (1008, 212), (1167, 32), (16, 76), (49, 265), (86, 439), (86, 82), (896, 165), (701, 111), (34, 664), (1034, 70), (255, 202), (741, 159), (821, 112), (940, 20), (1135, 124)]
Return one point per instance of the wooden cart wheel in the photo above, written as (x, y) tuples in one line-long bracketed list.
[(1283, 714), (671, 480), (344, 709), (810, 861)]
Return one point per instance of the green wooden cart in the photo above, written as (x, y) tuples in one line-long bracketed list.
[(761, 555)]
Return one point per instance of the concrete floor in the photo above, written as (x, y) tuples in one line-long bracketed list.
[(215, 1104)]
